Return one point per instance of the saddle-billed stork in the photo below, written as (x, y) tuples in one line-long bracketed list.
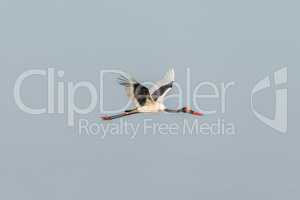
[(149, 101)]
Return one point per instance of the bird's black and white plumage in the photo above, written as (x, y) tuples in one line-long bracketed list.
[(136, 92), (162, 87), (146, 100)]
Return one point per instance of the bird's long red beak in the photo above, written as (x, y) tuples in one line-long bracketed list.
[(197, 113)]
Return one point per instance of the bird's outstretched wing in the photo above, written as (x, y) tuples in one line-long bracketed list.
[(136, 92), (162, 87)]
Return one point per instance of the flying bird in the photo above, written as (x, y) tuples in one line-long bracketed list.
[(149, 101)]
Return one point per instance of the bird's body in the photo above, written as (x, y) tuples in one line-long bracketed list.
[(152, 107), (148, 101)]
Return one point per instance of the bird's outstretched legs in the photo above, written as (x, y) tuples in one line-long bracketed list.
[(126, 113), (184, 110)]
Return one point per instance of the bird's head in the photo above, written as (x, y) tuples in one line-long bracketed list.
[(190, 111)]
